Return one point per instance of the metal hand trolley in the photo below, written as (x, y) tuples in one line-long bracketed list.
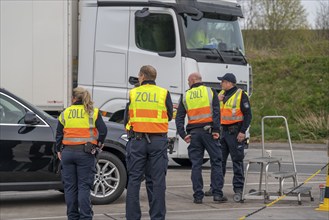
[(265, 162)]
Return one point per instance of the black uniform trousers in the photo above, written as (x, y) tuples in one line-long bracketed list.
[(202, 140), (151, 160), (230, 145), (78, 174)]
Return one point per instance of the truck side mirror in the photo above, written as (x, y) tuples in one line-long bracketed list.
[(197, 17), (195, 13), (142, 13), (133, 81)]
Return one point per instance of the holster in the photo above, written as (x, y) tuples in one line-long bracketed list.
[(89, 148), (138, 135), (208, 128), (131, 134), (232, 129)]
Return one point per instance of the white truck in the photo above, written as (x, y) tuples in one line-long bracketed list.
[(41, 42)]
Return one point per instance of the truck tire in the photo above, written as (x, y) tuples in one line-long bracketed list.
[(186, 162), (110, 179)]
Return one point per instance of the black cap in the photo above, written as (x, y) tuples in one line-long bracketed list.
[(228, 77)]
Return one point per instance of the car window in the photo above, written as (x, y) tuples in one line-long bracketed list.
[(11, 112)]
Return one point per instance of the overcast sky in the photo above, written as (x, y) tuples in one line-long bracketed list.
[(311, 8)]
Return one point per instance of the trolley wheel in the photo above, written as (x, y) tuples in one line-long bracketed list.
[(237, 197), (299, 202), (266, 198)]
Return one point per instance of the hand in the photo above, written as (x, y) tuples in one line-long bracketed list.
[(221, 97), (59, 155), (187, 138), (215, 135), (241, 136), (100, 145)]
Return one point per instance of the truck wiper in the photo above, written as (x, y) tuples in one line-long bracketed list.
[(212, 50), (238, 52)]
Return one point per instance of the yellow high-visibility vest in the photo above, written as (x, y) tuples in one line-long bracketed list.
[(79, 127), (197, 39), (147, 109), (230, 112), (198, 104)]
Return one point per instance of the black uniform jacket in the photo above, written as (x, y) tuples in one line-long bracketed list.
[(181, 113), (244, 106)]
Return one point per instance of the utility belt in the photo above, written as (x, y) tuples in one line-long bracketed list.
[(235, 128), (87, 148), (78, 147), (139, 135), (207, 128)]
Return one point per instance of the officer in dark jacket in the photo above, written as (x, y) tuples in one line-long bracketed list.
[(200, 104), (235, 120), (146, 118), (80, 128)]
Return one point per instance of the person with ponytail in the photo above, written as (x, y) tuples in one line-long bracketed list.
[(80, 131)]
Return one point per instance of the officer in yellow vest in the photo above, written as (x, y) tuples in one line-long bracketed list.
[(80, 127), (198, 38), (146, 118), (235, 120), (201, 105)]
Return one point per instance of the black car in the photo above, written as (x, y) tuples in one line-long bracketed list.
[(27, 157)]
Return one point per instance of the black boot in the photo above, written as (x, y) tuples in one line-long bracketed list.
[(209, 192)]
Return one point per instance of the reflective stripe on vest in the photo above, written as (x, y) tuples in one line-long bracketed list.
[(198, 104), (230, 112), (147, 109), (79, 127)]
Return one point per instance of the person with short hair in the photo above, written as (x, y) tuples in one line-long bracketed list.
[(201, 105), (198, 37), (236, 117), (146, 119), (80, 130)]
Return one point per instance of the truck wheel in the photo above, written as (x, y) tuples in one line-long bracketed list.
[(110, 179), (186, 162)]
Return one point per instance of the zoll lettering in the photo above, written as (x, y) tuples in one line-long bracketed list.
[(76, 113), (196, 94), (146, 97)]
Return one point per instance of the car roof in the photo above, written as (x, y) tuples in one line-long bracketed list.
[(24, 102)]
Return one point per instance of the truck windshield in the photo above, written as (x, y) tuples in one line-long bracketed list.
[(212, 32)]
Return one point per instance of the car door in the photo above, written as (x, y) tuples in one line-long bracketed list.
[(26, 149)]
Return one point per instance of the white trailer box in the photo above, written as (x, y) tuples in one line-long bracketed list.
[(36, 51)]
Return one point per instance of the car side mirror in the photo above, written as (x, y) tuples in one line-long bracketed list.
[(31, 119), (2, 113)]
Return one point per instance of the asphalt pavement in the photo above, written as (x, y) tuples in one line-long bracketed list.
[(179, 200)]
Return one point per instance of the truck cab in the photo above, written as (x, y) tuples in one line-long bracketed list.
[(177, 37)]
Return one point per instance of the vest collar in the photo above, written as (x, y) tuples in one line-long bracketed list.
[(77, 103), (231, 91), (152, 82), (196, 85)]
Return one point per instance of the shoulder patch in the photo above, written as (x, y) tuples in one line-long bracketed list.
[(246, 105)]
